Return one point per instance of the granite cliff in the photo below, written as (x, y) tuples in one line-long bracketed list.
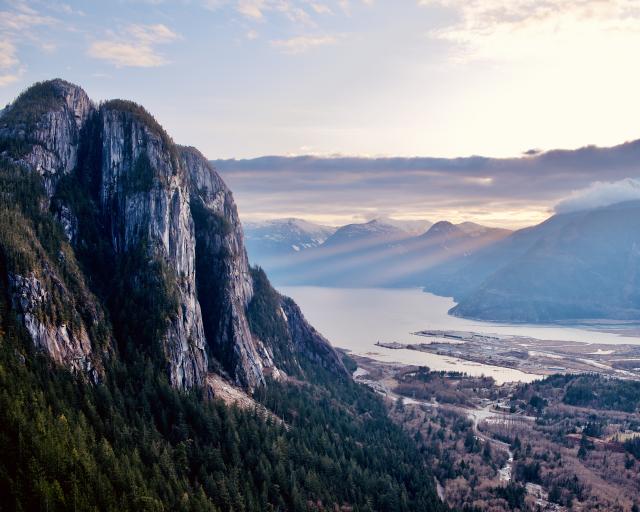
[(134, 213)]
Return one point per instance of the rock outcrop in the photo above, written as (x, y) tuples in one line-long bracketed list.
[(67, 345), (54, 304)]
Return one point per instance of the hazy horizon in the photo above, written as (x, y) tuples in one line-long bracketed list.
[(507, 193)]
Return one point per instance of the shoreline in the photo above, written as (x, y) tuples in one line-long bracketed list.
[(527, 354)]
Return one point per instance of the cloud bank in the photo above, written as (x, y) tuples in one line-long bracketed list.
[(502, 192), (301, 44)]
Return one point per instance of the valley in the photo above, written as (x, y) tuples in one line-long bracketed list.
[(509, 416), (549, 445)]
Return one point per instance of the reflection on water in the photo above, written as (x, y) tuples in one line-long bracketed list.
[(356, 318)]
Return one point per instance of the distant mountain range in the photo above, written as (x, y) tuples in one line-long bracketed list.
[(381, 252), (271, 239), (369, 233), (412, 227)]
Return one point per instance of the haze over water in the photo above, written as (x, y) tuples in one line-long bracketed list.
[(356, 318)]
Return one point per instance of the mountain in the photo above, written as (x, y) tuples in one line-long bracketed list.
[(268, 242), (168, 221), (331, 262), (455, 277), (473, 229), (578, 265), (272, 239), (144, 365)]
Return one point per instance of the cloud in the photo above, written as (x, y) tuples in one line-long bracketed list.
[(251, 8), (517, 29), (8, 57), (9, 78), (16, 26), (126, 54), (9, 63), (301, 44), (214, 5), (601, 194), (23, 18), (152, 34), (134, 47), (511, 192), (321, 8), (256, 10)]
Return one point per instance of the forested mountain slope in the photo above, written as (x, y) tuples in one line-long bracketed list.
[(124, 286), (578, 265)]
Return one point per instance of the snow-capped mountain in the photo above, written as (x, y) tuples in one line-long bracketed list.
[(372, 232), (280, 237)]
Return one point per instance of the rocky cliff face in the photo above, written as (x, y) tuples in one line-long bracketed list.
[(144, 198), (224, 283), (166, 225), (48, 294)]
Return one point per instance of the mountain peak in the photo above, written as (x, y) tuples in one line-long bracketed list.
[(63, 86), (474, 229), (49, 96), (270, 240), (442, 227), (374, 227), (41, 129), (56, 86)]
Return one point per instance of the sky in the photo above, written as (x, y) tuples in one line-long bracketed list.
[(245, 78), (361, 78)]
